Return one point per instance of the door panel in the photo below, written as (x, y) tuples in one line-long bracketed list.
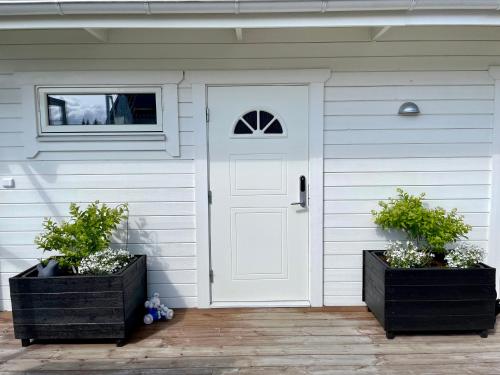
[(249, 178), (270, 244), (258, 147)]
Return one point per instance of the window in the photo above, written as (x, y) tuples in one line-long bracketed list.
[(101, 109), (258, 123), (89, 111)]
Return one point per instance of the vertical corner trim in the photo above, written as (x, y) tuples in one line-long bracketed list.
[(316, 126), (494, 224)]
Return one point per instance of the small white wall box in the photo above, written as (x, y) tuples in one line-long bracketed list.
[(8, 182)]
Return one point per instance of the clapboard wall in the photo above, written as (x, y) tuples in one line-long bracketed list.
[(369, 150), (159, 190)]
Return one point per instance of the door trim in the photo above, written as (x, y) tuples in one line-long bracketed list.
[(315, 80)]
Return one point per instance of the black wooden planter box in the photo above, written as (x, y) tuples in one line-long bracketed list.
[(78, 307), (429, 299)]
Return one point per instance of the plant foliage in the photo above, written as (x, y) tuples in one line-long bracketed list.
[(465, 255), (406, 255), (87, 232), (105, 262), (430, 229)]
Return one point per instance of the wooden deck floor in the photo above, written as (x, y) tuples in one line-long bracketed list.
[(258, 341)]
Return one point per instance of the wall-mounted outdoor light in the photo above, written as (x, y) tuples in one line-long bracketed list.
[(409, 109)]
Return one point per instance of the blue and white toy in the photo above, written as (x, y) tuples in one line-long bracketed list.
[(166, 313), (156, 310)]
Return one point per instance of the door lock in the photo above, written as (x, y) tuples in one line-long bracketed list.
[(302, 193)]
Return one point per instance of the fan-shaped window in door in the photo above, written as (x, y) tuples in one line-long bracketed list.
[(258, 123)]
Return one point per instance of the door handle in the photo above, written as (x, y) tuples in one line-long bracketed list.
[(302, 193)]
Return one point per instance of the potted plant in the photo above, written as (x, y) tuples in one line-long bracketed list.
[(86, 290), (432, 281)]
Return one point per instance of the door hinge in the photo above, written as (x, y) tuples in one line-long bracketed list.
[(211, 275), (210, 197), (207, 114)]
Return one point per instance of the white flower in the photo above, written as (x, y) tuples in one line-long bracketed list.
[(406, 255), (465, 255), (105, 262)]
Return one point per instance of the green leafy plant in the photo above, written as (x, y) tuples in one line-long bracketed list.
[(430, 229), (87, 232)]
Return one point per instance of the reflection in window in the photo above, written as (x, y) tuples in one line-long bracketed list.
[(102, 109), (258, 122)]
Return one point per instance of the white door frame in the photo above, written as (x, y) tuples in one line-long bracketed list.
[(313, 78)]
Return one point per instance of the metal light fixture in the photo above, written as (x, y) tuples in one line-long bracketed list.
[(409, 109)]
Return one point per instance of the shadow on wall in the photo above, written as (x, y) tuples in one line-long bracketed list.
[(133, 236), (390, 235), (138, 240), (49, 176), (45, 189)]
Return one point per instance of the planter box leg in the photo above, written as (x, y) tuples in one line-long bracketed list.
[(120, 343), (484, 333), (25, 342), (390, 335)]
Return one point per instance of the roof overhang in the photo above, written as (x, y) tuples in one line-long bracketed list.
[(43, 14), (45, 7)]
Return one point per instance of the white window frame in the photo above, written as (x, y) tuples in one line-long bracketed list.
[(36, 141), (43, 107)]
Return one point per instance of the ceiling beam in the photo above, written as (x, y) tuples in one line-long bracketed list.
[(101, 35), (239, 34), (377, 32)]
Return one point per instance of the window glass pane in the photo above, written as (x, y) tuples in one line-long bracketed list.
[(265, 118), (251, 119), (242, 128), (102, 109), (274, 128)]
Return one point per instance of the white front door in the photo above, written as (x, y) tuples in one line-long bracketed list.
[(258, 150)]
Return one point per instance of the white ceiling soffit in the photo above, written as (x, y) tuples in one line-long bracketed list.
[(79, 7)]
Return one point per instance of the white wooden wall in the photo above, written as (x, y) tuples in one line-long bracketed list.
[(160, 192), (369, 150)]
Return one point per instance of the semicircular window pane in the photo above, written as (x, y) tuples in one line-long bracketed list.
[(258, 122)]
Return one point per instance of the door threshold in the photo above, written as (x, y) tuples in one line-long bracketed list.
[(261, 304)]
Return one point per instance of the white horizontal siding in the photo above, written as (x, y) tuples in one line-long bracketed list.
[(407, 136), (423, 121), (159, 190), (369, 151), (366, 220), (134, 223), (398, 93), (408, 150), (356, 206)]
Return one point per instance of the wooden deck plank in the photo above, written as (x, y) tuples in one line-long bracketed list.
[(258, 341)]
